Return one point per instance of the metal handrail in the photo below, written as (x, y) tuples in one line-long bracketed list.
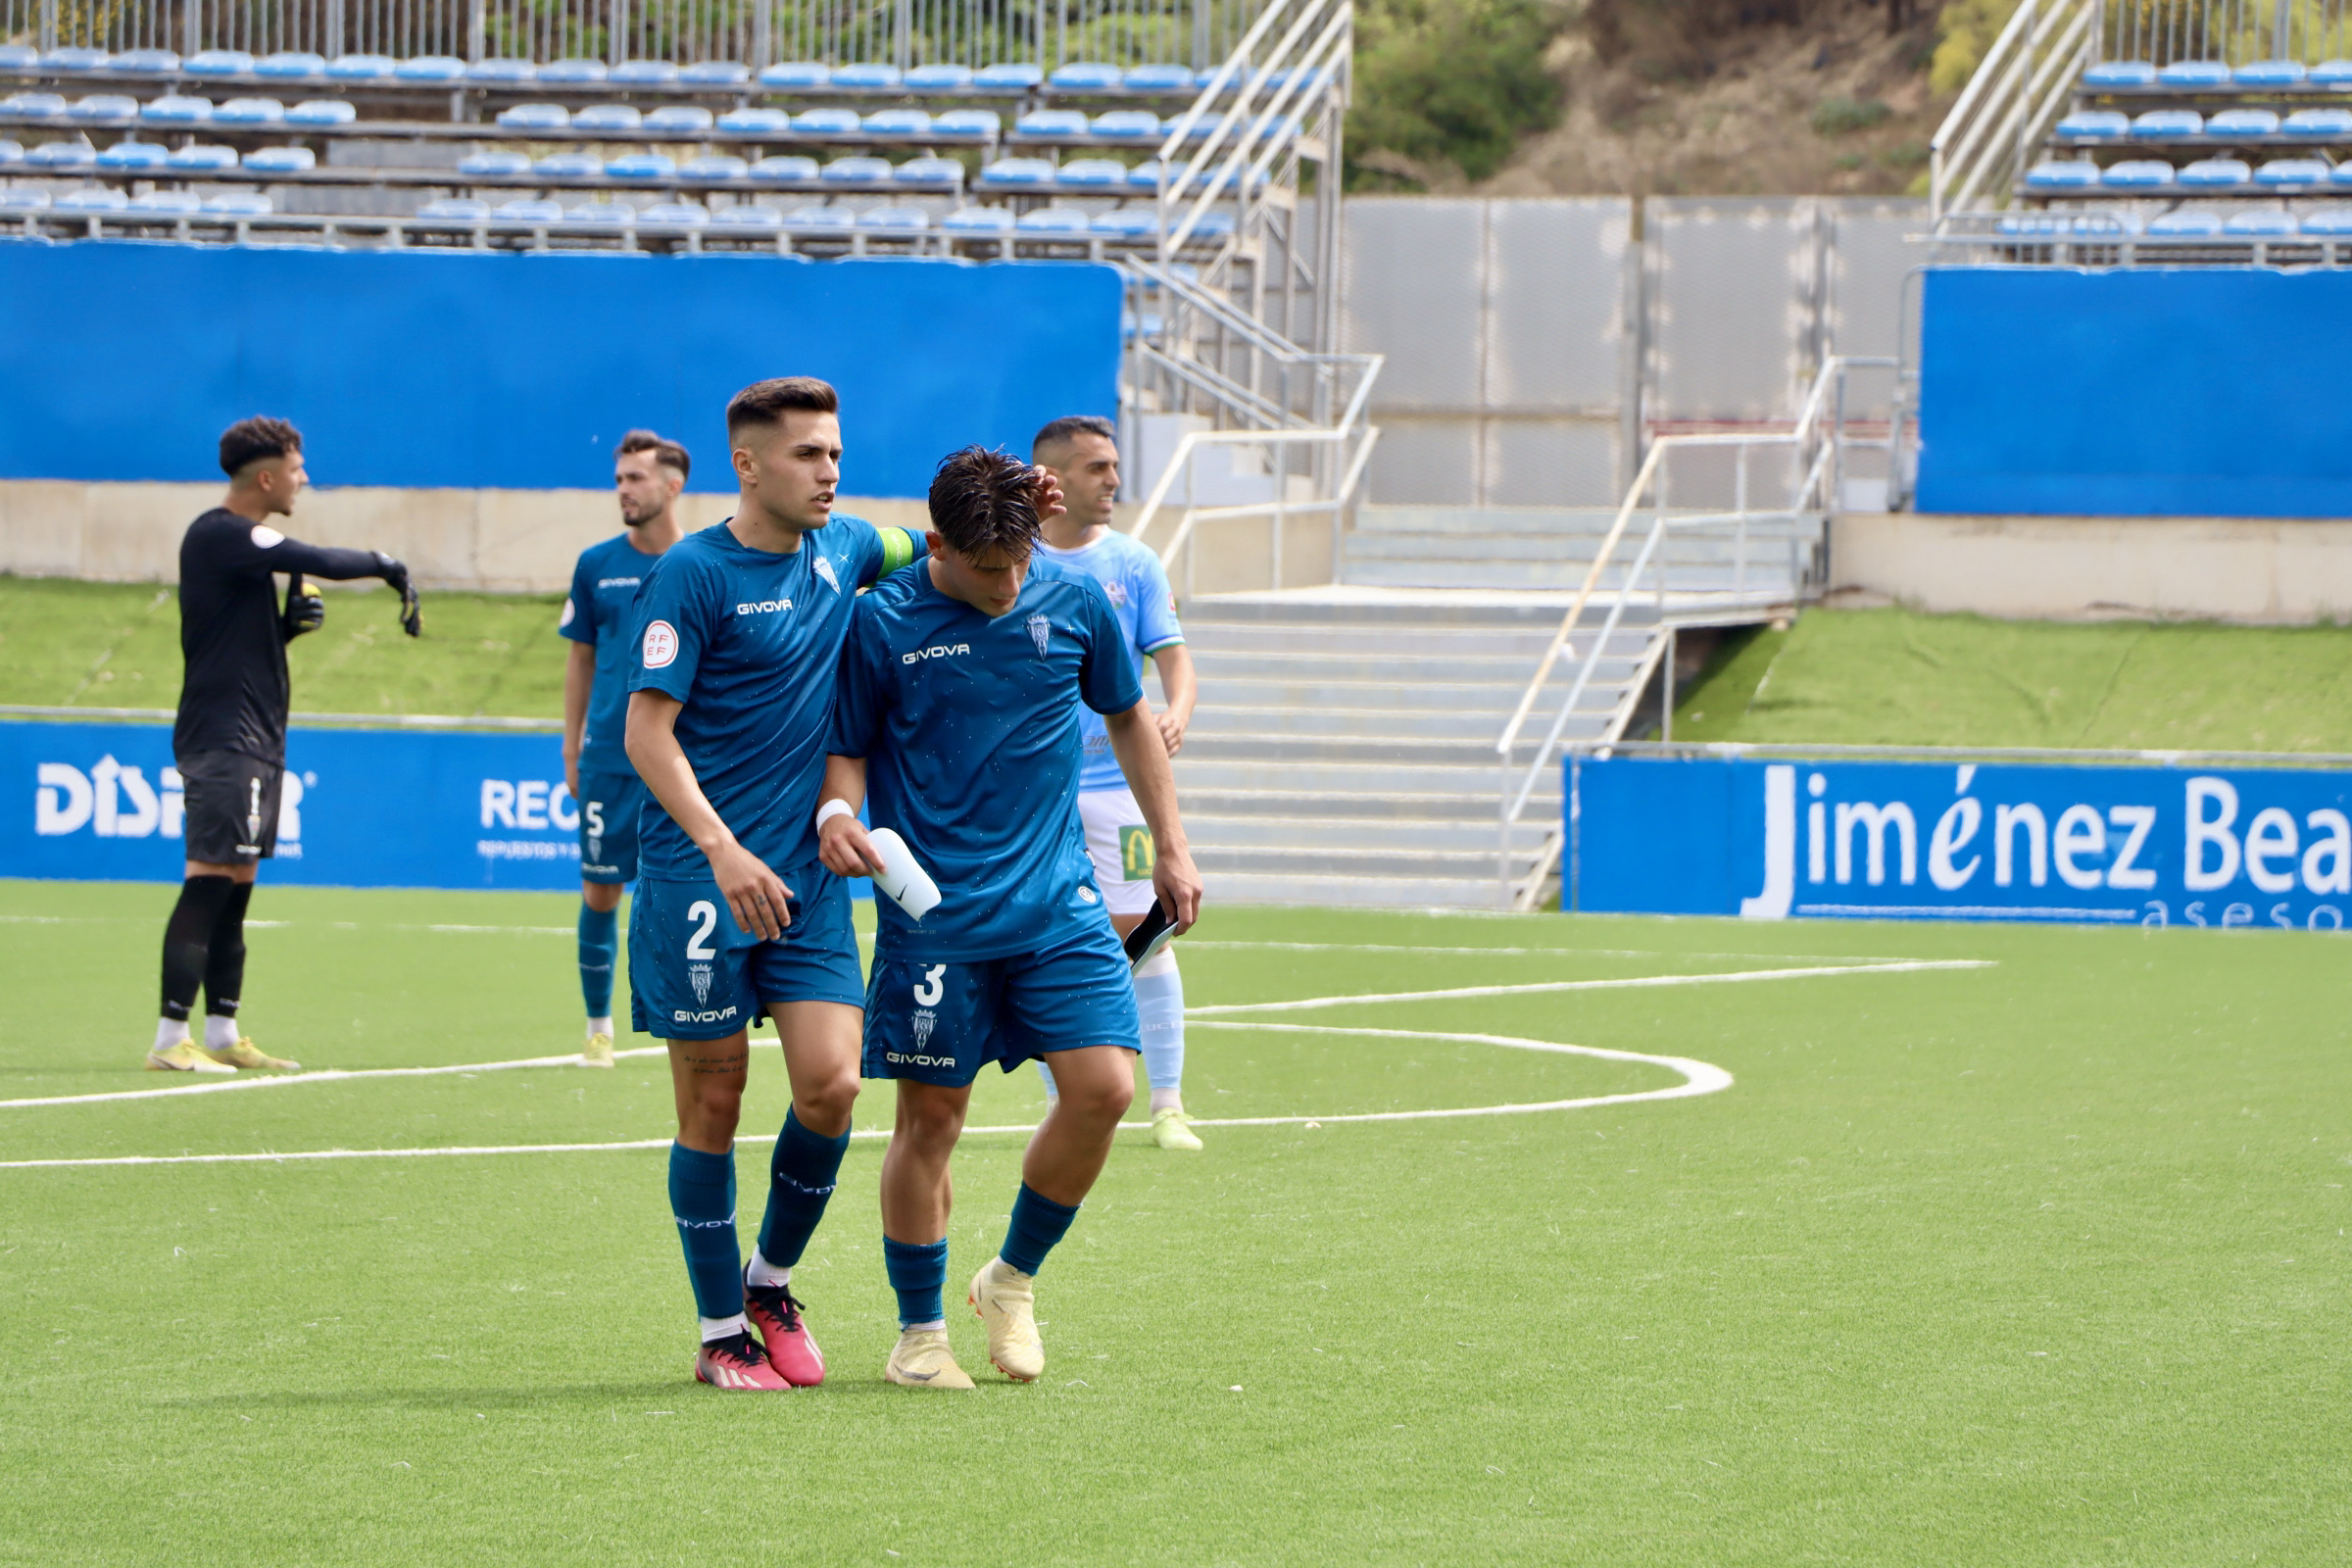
[(2026, 73)]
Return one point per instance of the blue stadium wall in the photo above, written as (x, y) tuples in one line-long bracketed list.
[(421, 369), (2136, 392)]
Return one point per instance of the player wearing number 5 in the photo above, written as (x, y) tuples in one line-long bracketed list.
[(738, 633), (959, 697)]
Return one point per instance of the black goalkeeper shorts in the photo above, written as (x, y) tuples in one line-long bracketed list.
[(232, 807)]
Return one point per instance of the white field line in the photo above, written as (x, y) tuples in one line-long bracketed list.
[(329, 1075), (1633, 984)]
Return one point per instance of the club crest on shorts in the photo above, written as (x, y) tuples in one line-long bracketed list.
[(699, 976), (924, 1021), (825, 570), (1041, 631)]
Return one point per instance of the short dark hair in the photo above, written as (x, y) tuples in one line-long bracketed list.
[(255, 439), (665, 451), (767, 402), (1069, 427), (985, 501)]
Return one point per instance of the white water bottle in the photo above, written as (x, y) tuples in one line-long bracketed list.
[(906, 884)]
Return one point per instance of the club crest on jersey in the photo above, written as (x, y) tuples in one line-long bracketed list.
[(924, 1021), (825, 570), (1041, 631), (699, 976)]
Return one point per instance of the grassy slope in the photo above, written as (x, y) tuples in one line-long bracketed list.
[(2036, 1264)]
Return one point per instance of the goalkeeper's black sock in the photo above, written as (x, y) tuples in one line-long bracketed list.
[(225, 961), (188, 939)]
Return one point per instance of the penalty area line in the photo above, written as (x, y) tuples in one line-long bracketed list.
[(1637, 983), (325, 1075)]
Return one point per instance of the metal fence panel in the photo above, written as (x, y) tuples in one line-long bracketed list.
[(1734, 291), (1425, 462), (1550, 462), (1412, 288), (1555, 313)]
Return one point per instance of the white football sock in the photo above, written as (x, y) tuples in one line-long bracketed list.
[(599, 1026), (940, 1323), (1166, 1100), (759, 1271), (720, 1328), (219, 1032), (170, 1032)]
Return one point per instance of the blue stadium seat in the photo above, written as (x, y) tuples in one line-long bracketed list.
[(2341, 175), (281, 159), (797, 74), (897, 122), (607, 215), (1159, 79), (172, 109), (569, 165), (2335, 220), (1010, 76), (2260, 224), (759, 122), (1142, 125), (1053, 221), (250, 112), (2143, 173), (675, 215), (502, 72), (1018, 172), (105, 106), (2169, 123), (939, 79), (928, 172), (1148, 326), (2331, 73), (61, 155), (18, 57), (573, 73), (2195, 74), (74, 59), (361, 68), (1126, 223), (855, 170), (2243, 123), (219, 63), (321, 111), (679, 117), (2120, 74), (2270, 74), (239, 204), (36, 105), (713, 166), (430, 68), (783, 170), (1200, 131), (168, 204), (535, 117), (866, 74), (716, 74), (93, 199), (978, 221), (966, 125), (2292, 172), (495, 164), (2216, 173), (894, 217), (2329, 123), (529, 210), (1054, 123), (644, 74), (1085, 75), (2066, 225), (11, 153), (826, 122), (24, 201), (2078, 174), (135, 155), (152, 62), (642, 165), (832, 220), (608, 117), (748, 215), (1107, 173), (1146, 176), (455, 209), (290, 64), (2189, 224)]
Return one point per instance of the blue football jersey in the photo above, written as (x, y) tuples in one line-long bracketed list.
[(604, 586), (969, 725), (1139, 595), (749, 641)]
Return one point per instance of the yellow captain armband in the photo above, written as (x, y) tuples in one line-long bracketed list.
[(898, 549)]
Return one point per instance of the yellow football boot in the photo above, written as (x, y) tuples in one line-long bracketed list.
[(923, 1359), (1168, 1131), (184, 1058), (1007, 1302), (598, 1053), (250, 1057)]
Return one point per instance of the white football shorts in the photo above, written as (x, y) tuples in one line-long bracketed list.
[(1120, 846)]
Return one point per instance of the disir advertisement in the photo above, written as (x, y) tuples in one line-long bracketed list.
[(1771, 840)]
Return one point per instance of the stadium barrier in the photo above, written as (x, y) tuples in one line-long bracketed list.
[(363, 807), (2144, 838)]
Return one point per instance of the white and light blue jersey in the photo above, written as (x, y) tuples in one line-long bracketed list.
[(1139, 595), (748, 639), (970, 729), (604, 586)]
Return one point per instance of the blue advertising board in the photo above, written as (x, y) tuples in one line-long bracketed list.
[(361, 807), (1959, 840)]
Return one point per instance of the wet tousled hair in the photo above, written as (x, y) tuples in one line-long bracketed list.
[(1068, 428), (254, 440), (767, 402), (665, 451), (984, 503)]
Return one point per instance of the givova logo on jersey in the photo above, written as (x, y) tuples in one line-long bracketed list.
[(115, 800)]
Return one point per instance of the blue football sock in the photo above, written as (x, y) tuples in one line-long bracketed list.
[(918, 1271), (1159, 1002), (600, 939), (702, 1194), (800, 1182), (1038, 1222)]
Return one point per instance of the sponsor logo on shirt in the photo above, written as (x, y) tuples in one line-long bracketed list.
[(764, 606), (825, 570), (661, 645), (1117, 591), (619, 582), (937, 651), (266, 537), (569, 613)]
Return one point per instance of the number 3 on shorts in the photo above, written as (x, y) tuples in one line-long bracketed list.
[(932, 987), (704, 915)]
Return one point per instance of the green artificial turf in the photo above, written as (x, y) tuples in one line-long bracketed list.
[(2040, 1263)]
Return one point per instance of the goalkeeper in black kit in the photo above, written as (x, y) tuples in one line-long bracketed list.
[(230, 738)]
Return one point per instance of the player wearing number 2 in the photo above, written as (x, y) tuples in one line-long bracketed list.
[(738, 634)]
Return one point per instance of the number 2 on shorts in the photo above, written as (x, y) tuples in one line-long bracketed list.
[(704, 915)]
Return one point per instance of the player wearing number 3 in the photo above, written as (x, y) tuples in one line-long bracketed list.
[(738, 634)]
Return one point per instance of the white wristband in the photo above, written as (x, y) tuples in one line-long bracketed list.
[(832, 809)]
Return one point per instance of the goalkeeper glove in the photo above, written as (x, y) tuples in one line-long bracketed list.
[(306, 610), (396, 577)]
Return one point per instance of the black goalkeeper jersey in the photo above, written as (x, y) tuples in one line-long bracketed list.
[(234, 694)]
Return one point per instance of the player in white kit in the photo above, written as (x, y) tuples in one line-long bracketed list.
[(1083, 453)]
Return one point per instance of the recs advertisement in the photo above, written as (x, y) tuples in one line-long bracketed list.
[(1958, 841), (359, 807)]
